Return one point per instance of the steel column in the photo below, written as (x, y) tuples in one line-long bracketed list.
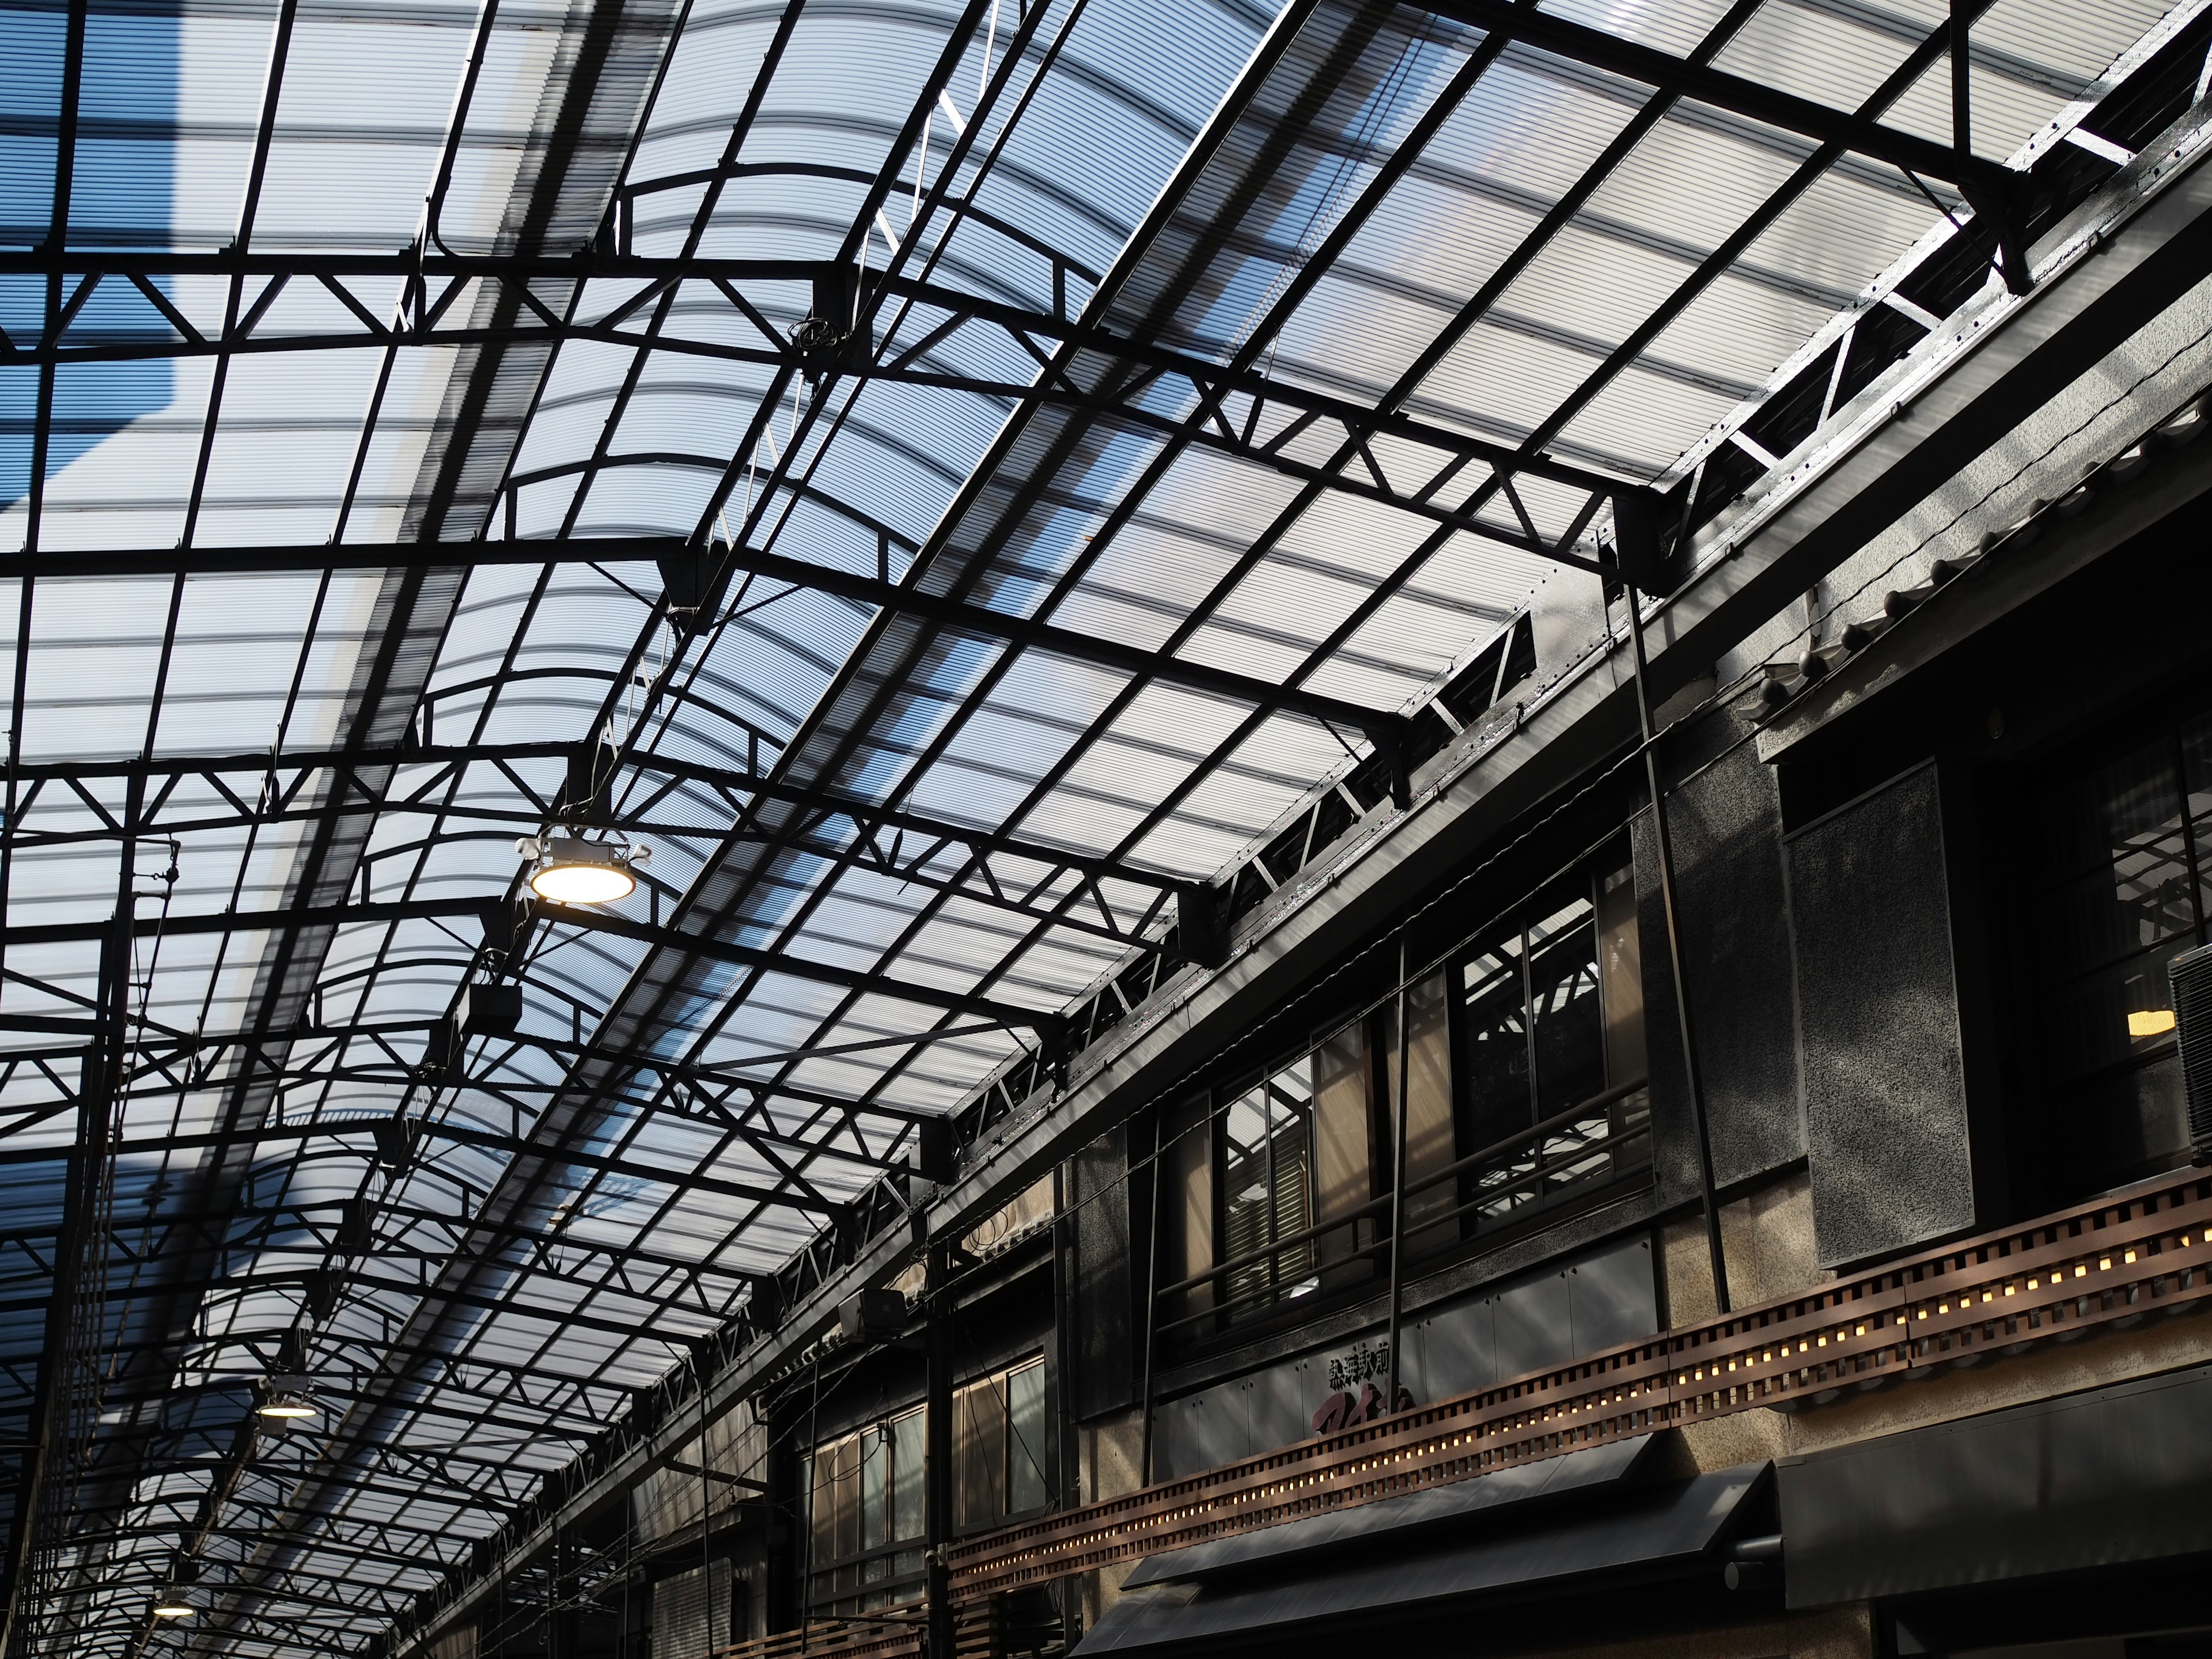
[(1685, 1025), (938, 1472), (1404, 1092)]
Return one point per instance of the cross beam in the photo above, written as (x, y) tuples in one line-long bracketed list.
[(1262, 422), (827, 802), (1049, 1027), (1993, 191), (1385, 728)]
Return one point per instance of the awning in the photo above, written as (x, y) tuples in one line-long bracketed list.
[(1433, 1554), (2101, 1478)]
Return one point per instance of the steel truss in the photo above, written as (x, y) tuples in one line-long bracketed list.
[(1402, 461), (620, 1462), (1380, 448), (988, 867)]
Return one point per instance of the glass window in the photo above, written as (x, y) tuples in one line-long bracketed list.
[(1026, 1442), (875, 1491), (1553, 1053), (1185, 1218), (1292, 1153), (1272, 1195), (1343, 1157), (1498, 1095), (1535, 1025), (999, 1445), (1267, 1187), (2120, 892), (865, 1499), (906, 1441), (1567, 1025), (1433, 1198)]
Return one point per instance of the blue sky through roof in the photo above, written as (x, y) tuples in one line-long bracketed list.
[(121, 192)]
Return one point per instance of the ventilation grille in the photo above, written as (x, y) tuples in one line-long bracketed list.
[(2191, 977)]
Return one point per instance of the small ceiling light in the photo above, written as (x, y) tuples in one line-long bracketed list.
[(171, 1607), (284, 1407), (573, 870), (2150, 1023)]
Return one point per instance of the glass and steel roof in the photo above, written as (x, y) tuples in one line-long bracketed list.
[(946, 479)]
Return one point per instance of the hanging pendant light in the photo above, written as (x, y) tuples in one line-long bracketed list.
[(570, 870)]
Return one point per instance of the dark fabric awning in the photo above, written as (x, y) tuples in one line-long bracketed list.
[(1417, 1558), (1396, 1517), (2110, 1476)]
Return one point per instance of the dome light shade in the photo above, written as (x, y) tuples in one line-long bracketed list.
[(170, 1607), (573, 870), (284, 1405)]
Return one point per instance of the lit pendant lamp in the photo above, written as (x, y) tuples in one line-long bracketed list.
[(570, 870)]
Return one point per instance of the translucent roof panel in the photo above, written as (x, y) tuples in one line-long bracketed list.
[(925, 481)]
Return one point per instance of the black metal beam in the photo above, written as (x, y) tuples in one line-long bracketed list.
[(312, 264), (460, 1134), (1237, 410), (716, 1083), (859, 813), (1759, 102), (890, 844), (1993, 191), (1047, 1024), (82, 1231), (874, 591)]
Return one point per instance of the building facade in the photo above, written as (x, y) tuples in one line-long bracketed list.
[(1393, 1277)]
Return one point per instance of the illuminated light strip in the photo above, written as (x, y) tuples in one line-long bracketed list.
[(2145, 1249)]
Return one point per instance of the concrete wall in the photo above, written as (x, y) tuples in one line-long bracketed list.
[(1598, 1300), (1889, 1137), (1726, 822)]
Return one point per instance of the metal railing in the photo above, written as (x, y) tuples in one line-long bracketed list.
[(2124, 1257)]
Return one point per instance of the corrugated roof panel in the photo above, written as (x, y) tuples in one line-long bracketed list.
[(1010, 505)]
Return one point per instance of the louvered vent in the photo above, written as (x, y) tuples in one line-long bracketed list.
[(2191, 977)]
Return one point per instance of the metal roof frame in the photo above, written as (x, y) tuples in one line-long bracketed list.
[(1115, 370)]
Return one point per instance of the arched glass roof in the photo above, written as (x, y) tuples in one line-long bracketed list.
[(946, 479)]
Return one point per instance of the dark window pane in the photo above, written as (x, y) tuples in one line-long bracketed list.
[(1289, 1132), (1267, 1190), (2118, 1013), (1246, 1201), (979, 1449), (845, 1478), (1620, 974), (1186, 1215), (2196, 764), (1344, 1153), (1497, 1045), (2108, 913), (875, 1494), (1563, 985), (2113, 809), (2126, 1125)]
